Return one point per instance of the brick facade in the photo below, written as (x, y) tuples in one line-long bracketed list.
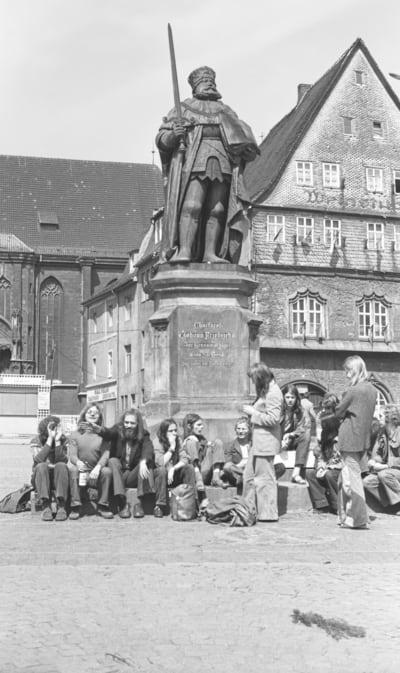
[(353, 269)]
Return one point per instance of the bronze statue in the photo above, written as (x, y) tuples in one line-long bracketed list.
[(204, 148)]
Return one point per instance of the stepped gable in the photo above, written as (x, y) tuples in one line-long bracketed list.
[(262, 174), (89, 206)]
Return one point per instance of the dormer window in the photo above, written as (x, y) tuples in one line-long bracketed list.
[(47, 220)]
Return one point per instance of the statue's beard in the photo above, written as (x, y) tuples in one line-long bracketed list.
[(208, 94)]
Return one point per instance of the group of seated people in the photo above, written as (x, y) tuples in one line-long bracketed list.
[(100, 463)]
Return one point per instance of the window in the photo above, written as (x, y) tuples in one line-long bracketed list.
[(276, 228), (5, 297), (110, 315), (396, 182), (94, 369), (396, 233), (380, 405), (124, 402), (133, 399), (377, 130), (128, 308), (348, 126), (359, 77), (374, 179), (51, 328), (331, 175), (128, 359), (307, 315), (305, 230), (373, 318), (304, 173), (158, 226), (94, 322), (332, 232), (109, 364), (375, 236)]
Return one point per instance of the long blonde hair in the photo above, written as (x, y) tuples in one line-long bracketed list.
[(357, 368)]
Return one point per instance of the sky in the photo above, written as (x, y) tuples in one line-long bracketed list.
[(91, 79)]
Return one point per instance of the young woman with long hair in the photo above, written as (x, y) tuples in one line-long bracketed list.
[(356, 411), (172, 461), (295, 426), (259, 480)]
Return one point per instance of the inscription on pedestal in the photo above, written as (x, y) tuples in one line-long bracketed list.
[(207, 344)]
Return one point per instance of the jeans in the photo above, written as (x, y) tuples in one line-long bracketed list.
[(45, 478)]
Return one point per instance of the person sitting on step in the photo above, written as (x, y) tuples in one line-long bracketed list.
[(294, 435), (49, 451), (172, 462), (206, 457), (88, 458), (132, 462)]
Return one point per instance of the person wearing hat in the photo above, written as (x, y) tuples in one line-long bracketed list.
[(203, 154)]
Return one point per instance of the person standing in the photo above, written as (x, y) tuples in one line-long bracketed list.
[(259, 480), (356, 411)]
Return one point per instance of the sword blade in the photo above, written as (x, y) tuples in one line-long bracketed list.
[(174, 73)]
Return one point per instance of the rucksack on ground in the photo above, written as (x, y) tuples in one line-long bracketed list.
[(183, 503), (232, 511), (17, 501)]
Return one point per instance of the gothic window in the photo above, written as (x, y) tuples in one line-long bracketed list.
[(307, 315), (373, 318), (5, 297), (50, 317)]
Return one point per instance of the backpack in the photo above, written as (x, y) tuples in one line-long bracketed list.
[(183, 503), (17, 501), (233, 511)]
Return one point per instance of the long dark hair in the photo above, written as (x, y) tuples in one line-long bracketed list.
[(162, 433), (261, 375), (43, 425), (292, 415), (88, 406), (140, 429), (188, 423), (329, 424)]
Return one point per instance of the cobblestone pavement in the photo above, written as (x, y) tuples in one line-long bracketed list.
[(155, 595)]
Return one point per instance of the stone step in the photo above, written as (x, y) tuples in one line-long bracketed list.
[(291, 498)]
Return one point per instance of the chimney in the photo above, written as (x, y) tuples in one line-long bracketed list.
[(301, 91)]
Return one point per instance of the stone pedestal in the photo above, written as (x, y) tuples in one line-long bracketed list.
[(199, 344)]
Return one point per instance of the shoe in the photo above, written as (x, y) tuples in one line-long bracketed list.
[(199, 481), (138, 512), (299, 480), (47, 514), (225, 484), (157, 511), (105, 512), (125, 512), (61, 514), (74, 514)]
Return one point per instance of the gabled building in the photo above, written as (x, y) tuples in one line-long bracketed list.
[(65, 229), (326, 230)]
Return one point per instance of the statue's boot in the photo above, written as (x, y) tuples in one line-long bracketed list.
[(212, 236), (187, 234)]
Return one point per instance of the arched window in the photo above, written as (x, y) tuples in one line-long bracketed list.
[(5, 297), (50, 316), (307, 315), (373, 318)]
